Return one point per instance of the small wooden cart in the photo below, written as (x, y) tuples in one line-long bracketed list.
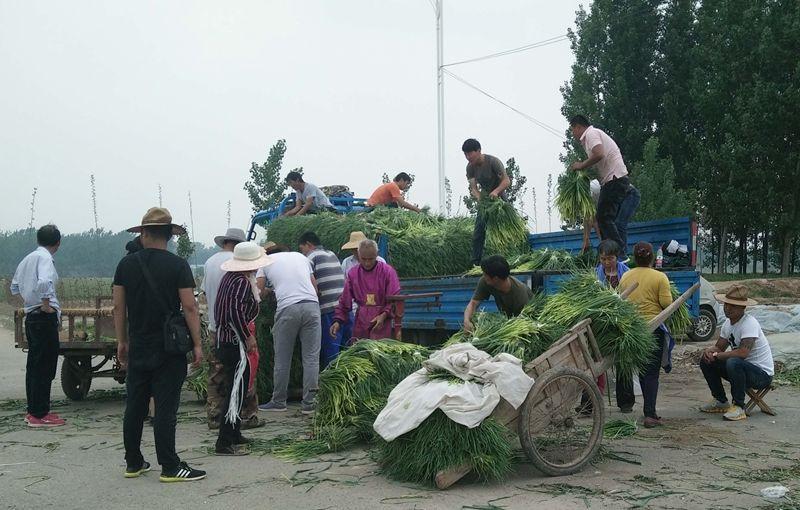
[(560, 424)]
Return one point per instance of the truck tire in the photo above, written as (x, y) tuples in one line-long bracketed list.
[(76, 376), (704, 326)]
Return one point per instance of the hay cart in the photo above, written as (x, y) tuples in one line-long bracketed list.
[(560, 424), (86, 344)]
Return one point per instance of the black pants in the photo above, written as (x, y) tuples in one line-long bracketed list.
[(741, 374), (229, 356), (648, 380), (612, 194), (478, 238), (163, 384), (41, 331)]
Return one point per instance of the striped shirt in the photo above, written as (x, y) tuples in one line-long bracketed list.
[(330, 278), (235, 308)]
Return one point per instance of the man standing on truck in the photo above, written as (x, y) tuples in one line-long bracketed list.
[(35, 280), (310, 199), (604, 154), (509, 294), (391, 193), (151, 286), (212, 276), (489, 173)]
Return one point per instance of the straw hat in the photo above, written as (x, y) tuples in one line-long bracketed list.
[(355, 238), (736, 295), (268, 244), (233, 234), (158, 216), (247, 256)]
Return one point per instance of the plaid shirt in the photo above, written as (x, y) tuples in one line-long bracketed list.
[(235, 308)]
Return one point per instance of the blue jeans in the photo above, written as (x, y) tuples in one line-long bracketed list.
[(626, 210), (740, 373), (330, 346)]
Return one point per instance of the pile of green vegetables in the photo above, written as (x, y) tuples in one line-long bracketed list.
[(546, 259), (506, 230), (573, 196), (445, 242)]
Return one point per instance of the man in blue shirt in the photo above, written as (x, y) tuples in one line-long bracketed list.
[(35, 280)]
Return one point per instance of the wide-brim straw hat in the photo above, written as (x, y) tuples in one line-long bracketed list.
[(268, 244), (355, 238), (247, 256), (736, 295), (158, 217), (233, 234)]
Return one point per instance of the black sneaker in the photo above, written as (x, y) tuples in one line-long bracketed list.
[(234, 450), (183, 473), (136, 472), (243, 440)]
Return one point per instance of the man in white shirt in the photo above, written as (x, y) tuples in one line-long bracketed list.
[(747, 365), (212, 276), (297, 315), (35, 280), (310, 199), (603, 153)]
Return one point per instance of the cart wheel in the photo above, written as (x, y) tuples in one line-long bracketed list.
[(561, 422), (76, 376)]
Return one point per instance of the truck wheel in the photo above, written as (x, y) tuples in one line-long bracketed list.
[(704, 326), (76, 376)]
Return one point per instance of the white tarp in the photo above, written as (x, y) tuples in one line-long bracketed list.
[(486, 379), (776, 318)]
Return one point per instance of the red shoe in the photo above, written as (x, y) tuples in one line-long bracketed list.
[(53, 416), (44, 422)]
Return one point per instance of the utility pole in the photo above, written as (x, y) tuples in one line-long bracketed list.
[(440, 102)]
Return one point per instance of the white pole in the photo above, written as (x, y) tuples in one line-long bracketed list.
[(440, 102)]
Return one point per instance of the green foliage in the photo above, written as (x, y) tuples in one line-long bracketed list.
[(679, 322), (266, 184), (446, 242), (573, 197), (655, 179), (545, 259), (439, 443), (506, 231), (185, 248)]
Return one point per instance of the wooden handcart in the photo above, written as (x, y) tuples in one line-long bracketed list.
[(560, 424)]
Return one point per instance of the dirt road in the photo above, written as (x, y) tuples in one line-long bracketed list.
[(696, 461)]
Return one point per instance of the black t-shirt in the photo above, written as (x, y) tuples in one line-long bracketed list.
[(489, 175), (146, 314)]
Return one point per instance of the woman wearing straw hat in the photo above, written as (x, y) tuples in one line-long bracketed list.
[(235, 309), (748, 363)]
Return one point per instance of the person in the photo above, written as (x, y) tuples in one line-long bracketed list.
[(509, 294), (133, 245), (35, 281), (296, 316), (235, 308), (651, 296), (604, 154), (139, 311), (330, 284), (609, 272), (626, 211), (741, 355), (391, 193), (310, 199), (212, 276), (369, 284), (351, 245), (488, 173)]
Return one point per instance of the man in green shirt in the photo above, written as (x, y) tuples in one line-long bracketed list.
[(509, 294), (489, 173)]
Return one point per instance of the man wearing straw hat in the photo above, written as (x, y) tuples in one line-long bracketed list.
[(212, 275), (352, 246), (747, 365), (146, 283)]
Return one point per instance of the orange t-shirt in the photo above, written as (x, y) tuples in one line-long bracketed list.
[(385, 194)]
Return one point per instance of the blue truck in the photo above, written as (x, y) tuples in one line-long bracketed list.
[(429, 325)]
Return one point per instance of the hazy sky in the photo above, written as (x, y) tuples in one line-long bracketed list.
[(187, 94)]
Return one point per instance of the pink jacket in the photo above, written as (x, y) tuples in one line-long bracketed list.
[(369, 290)]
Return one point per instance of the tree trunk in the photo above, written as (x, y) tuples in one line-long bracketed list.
[(785, 256), (713, 255), (765, 254), (755, 252), (723, 235), (794, 256), (742, 253)]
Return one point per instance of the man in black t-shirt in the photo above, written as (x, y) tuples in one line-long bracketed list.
[(488, 172), (139, 318)]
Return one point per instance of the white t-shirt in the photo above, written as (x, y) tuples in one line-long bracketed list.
[(612, 164), (212, 275), (290, 276), (748, 327)]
